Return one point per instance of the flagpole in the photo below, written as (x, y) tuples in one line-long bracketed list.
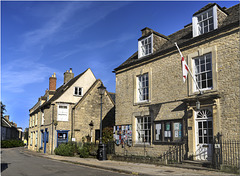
[(189, 70)]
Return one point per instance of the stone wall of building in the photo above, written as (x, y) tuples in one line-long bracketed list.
[(88, 110), (167, 90)]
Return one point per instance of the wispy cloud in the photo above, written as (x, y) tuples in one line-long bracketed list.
[(17, 74)]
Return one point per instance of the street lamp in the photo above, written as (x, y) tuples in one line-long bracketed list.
[(101, 147)]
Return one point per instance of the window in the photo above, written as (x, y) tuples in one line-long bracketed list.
[(142, 88), (43, 120), (31, 139), (36, 119), (62, 137), (145, 46), (62, 113), (33, 121), (143, 129), (168, 131), (36, 141), (30, 122), (78, 91), (205, 22), (203, 71)]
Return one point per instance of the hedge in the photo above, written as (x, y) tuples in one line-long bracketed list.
[(11, 143)]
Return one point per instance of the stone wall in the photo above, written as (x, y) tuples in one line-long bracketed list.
[(167, 90)]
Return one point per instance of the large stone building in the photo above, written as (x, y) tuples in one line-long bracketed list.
[(156, 110), (69, 113)]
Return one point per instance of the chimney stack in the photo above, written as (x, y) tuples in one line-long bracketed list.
[(52, 82), (6, 117), (68, 75)]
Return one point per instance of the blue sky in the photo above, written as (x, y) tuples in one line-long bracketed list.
[(40, 38)]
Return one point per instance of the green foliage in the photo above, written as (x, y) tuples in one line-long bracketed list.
[(11, 143), (84, 152), (65, 149), (88, 149), (3, 109), (107, 135)]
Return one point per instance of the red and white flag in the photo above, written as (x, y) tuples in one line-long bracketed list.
[(185, 69)]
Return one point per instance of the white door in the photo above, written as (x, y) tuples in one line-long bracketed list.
[(204, 135)]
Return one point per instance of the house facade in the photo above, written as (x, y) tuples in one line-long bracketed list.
[(9, 130), (156, 110), (69, 113)]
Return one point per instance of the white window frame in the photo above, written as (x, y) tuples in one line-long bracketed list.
[(43, 119), (142, 126), (77, 89), (63, 112), (199, 74), (196, 24), (33, 121), (142, 47), (36, 121), (143, 88), (31, 138), (36, 138)]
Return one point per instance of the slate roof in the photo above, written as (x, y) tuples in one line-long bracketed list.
[(59, 92), (184, 36)]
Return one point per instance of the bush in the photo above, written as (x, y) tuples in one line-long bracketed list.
[(88, 149), (84, 152), (65, 150), (11, 143)]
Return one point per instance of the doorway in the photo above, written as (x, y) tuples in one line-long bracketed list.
[(204, 134)]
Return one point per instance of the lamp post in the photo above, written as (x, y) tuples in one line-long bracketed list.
[(101, 147)]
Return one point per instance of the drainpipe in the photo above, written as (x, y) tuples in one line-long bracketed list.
[(52, 127), (72, 134)]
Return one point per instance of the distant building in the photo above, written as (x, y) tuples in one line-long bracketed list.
[(69, 113), (155, 110), (9, 129)]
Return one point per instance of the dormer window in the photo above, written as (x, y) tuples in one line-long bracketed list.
[(145, 46), (205, 22)]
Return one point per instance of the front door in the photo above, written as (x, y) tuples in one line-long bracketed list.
[(204, 135)]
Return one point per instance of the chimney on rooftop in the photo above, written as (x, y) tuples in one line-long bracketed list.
[(146, 31), (52, 82), (68, 75)]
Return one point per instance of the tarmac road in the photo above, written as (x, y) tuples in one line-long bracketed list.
[(16, 163)]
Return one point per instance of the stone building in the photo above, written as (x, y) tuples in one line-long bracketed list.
[(69, 113), (9, 130), (156, 110)]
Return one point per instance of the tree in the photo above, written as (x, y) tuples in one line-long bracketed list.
[(107, 135), (3, 109)]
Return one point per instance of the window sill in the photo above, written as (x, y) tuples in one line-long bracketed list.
[(142, 102), (77, 95)]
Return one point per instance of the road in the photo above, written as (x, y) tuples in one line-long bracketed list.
[(16, 163)]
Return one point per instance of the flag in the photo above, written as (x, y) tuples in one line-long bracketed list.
[(185, 69)]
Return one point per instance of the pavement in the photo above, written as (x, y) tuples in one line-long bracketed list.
[(127, 167)]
